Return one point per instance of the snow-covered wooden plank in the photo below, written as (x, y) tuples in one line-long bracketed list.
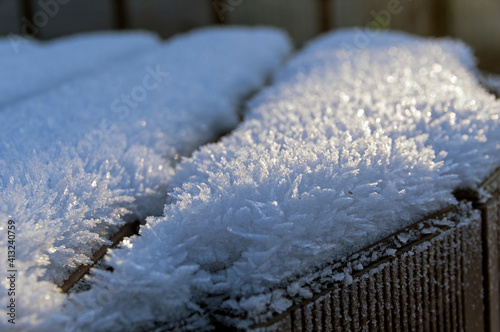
[(429, 238), (80, 160), (349, 145)]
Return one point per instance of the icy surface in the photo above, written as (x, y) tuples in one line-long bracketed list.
[(27, 69), (77, 160), (343, 150)]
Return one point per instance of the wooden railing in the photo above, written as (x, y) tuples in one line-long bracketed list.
[(477, 23)]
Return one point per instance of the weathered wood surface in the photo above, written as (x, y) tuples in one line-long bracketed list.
[(431, 284)]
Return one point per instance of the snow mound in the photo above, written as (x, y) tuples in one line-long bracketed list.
[(36, 67), (339, 153), (83, 158)]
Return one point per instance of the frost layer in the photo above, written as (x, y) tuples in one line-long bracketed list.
[(80, 159), (340, 152), (36, 67)]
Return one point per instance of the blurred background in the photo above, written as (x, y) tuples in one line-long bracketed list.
[(477, 22)]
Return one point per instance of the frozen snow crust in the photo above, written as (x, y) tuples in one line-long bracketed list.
[(29, 67), (347, 147), (79, 160)]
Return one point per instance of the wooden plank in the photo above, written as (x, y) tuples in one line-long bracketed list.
[(454, 288), (378, 277), (396, 296), (490, 213), (337, 311), (417, 290), (318, 315), (488, 60), (374, 311), (356, 305), (308, 317), (10, 17), (120, 10), (426, 296), (440, 17), (126, 231), (388, 304), (75, 16), (327, 312), (445, 260), (439, 288), (297, 320), (433, 283), (406, 15), (473, 276), (476, 22), (404, 294), (325, 12), (412, 290), (169, 17), (345, 299), (299, 17), (459, 249), (433, 280), (364, 304)]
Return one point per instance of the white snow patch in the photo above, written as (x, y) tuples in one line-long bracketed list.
[(80, 159), (37, 67)]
